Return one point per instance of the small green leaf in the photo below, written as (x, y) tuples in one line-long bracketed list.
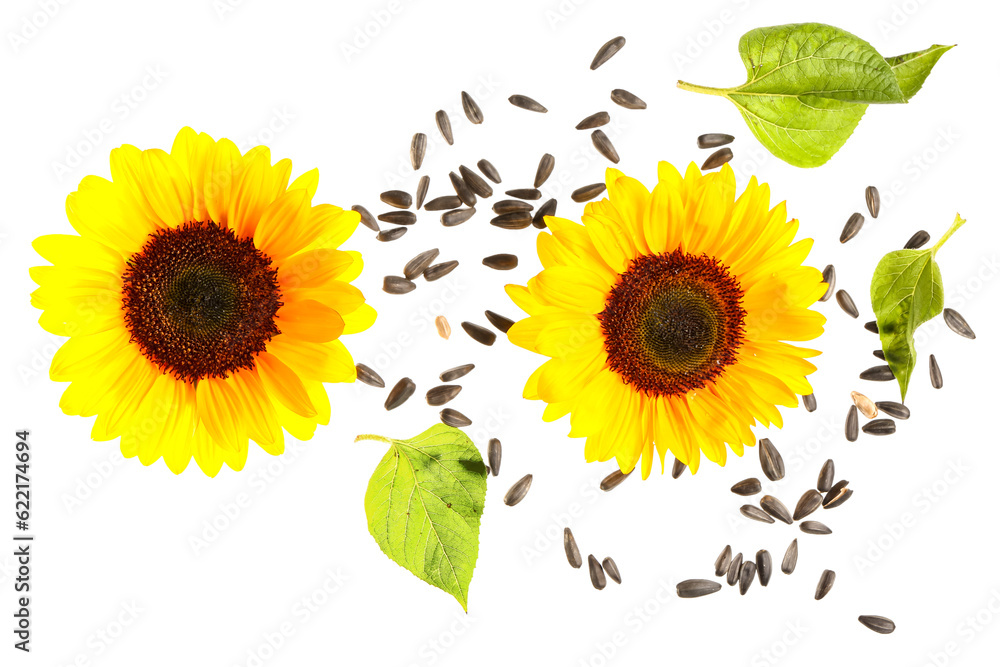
[(809, 84), (424, 503), (911, 69), (907, 291)]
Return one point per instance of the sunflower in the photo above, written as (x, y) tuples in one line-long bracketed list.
[(204, 297), (665, 315)]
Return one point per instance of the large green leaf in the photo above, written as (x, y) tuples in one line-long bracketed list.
[(809, 84), (907, 291), (911, 69), (424, 503)]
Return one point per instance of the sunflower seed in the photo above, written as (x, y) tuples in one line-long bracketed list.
[(835, 489), (894, 409), (611, 567), (422, 185), (501, 261), (446, 203), (678, 469), (418, 148), (958, 324), (442, 394), (399, 393), (733, 574), (917, 240), (369, 376), (872, 326), (458, 420), (417, 265), (604, 145), (879, 354), (512, 220), (479, 334), (494, 451), (432, 273), (864, 404), (489, 170), (597, 577), (526, 103), (748, 487), (717, 159), (397, 285), (756, 513), (764, 566), (397, 198), (472, 110), (545, 167), (367, 219), (714, 140), (770, 460), (390, 234), (776, 508), (453, 374), (878, 374), (837, 497), (517, 492), (457, 217), (462, 189), (444, 330), (696, 588), (852, 227), (605, 52), (825, 583), (722, 562), (851, 425), (444, 126), (525, 193), (826, 473), (847, 303), (623, 98), (588, 192), (880, 427), (814, 528), (872, 200), (937, 380), (747, 572), (398, 217), (810, 501), (879, 624), (475, 182), (572, 551), (615, 478), (499, 321), (511, 205), (830, 278), (594, 120), (791, 557), (546, 209)]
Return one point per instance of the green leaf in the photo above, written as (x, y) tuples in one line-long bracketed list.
[(907, 291), (424, 503), (911, 69), (808, 85)]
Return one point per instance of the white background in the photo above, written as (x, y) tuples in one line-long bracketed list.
[(117, 542)]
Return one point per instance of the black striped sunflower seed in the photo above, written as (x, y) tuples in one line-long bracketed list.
[(825, 583), (457, 217), (878, 374), (623, 98), (937, 380), (814, 528), (604, 54), (526, 103), (442, 394), (852, 227), (879, 354), (397, 285), (494, 453), (917, 240), (462, 189), (368, 376), (572, 551), (846, 303), (499, 321), (518, 491), (453, 374), (714, 140), (456, 419), (511, 205), (893, 409), (432, 273), (422, 186), (717, 159), (398, 217), (444, 126), (588, 192), (776, 508), (390, 234), (418, 148), (512, 220), (810, 501), (809, 402), (791, 557), (418, 264), (747, 573), (611, 568), (696, 588), (472, 110), (748, 487), (445, 203), (546, 209), (756, 513), (367, 219), (545, 167), (501, 261), (399, 393), (678, 468), (475, 182), (479, 333), (872, 326), (733, 574), (604, 145), (851, 425), (597, 577), (722, 562), (525, 193), (614, 478), (770, 460), (880, 427), (958, 324), (764, 566), (595, 120), (397, 198), (872, 200), (830, 278), (489, 170), (879, 624), (825, 481)]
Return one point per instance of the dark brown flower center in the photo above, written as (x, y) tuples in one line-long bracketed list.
[(673, 322), (200, 302)]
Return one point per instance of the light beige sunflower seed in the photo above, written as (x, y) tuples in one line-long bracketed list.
[(864, 404), (443, 327)]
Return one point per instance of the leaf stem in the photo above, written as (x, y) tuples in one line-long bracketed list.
[(369, 436), (684, 85), (959, 221)]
